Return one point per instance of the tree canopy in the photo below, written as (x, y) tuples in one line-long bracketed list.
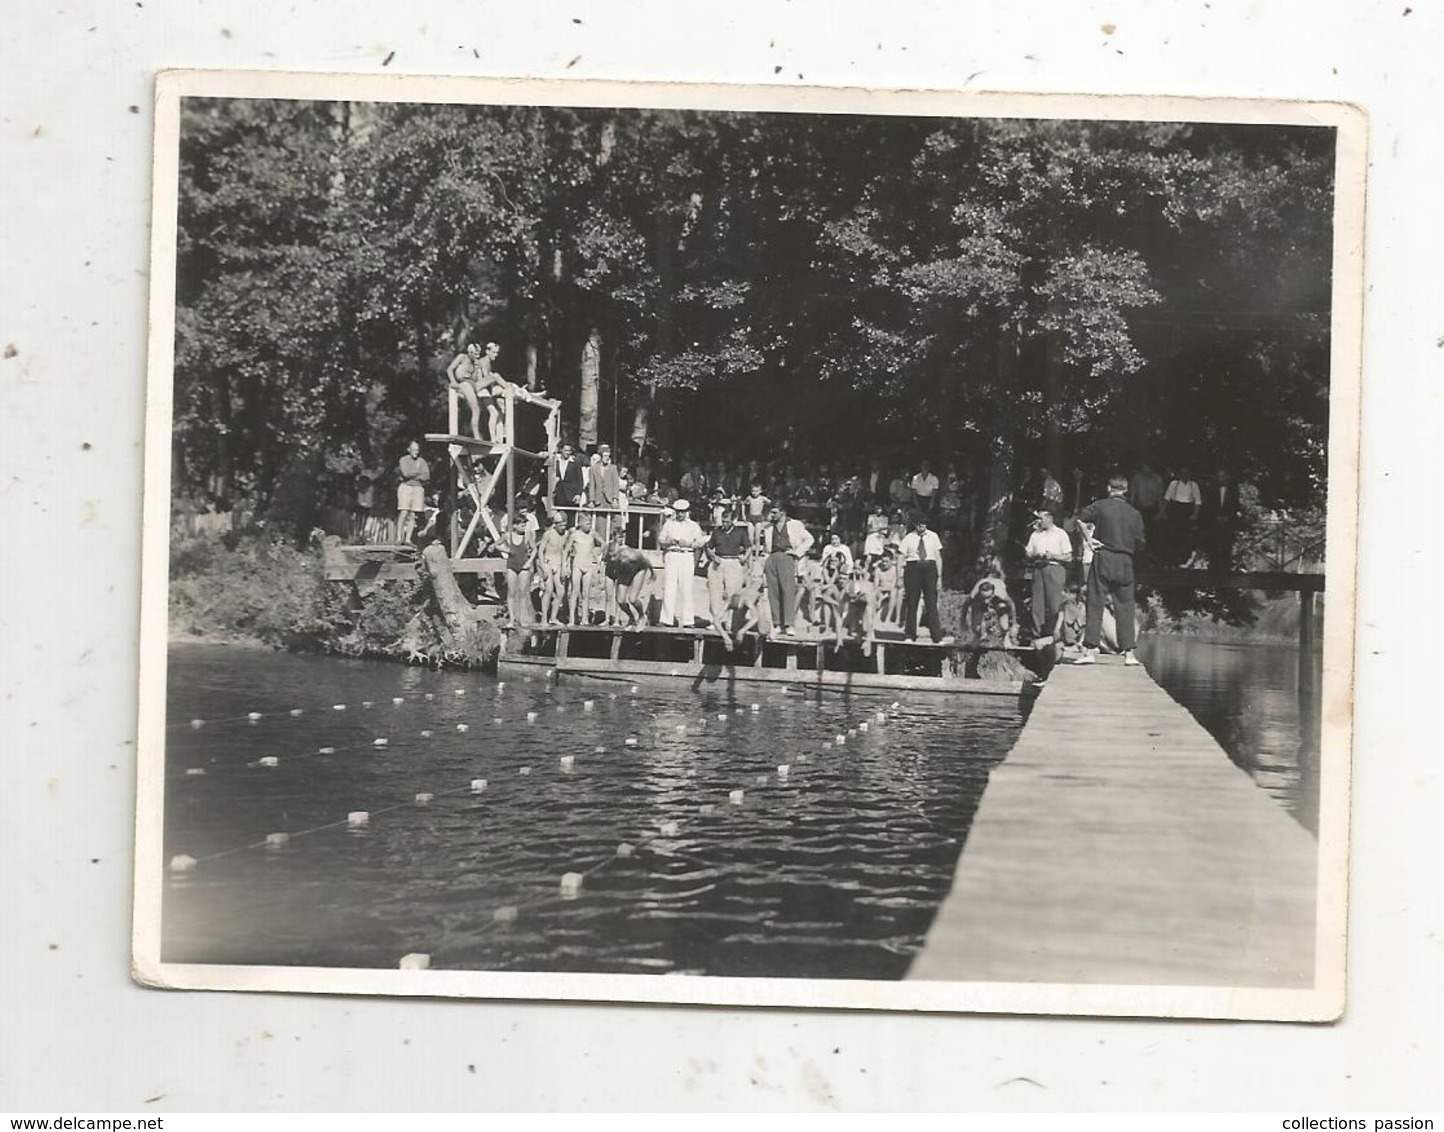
[(979, 292)]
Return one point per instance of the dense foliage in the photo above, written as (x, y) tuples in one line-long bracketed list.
[(991, 293)]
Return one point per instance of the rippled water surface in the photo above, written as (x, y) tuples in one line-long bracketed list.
[(834, 870), (1247, 697)]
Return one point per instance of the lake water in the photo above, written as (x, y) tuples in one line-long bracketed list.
[(833, 870), (1247, 697)]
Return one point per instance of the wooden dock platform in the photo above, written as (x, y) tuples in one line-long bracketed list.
[(1117, 844)]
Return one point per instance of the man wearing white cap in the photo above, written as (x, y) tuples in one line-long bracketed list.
[(678, 540)]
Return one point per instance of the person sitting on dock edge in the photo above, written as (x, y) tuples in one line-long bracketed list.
[(1118, 531)]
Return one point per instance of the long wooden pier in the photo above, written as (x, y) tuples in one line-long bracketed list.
[(1117, 844)]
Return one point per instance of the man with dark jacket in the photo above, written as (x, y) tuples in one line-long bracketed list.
[(1219, 516), (568, 492), (1117, 536)]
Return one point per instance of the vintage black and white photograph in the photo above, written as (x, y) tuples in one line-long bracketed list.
[(724, 545)]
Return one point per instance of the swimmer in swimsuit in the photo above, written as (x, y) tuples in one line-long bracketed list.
[(461, 374)]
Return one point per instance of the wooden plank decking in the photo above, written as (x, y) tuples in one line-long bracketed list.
[(1118, 844)]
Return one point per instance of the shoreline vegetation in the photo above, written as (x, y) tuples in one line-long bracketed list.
[(251, 589)]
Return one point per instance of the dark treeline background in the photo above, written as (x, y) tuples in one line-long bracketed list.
[(996, 294)]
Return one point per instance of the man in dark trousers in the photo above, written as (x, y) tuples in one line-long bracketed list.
[(568, 492), (1117, 536), (1220, 521)]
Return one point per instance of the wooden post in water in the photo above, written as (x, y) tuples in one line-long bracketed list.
[(1306, 642)]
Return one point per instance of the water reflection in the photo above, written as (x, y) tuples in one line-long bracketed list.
[(1248, 697), (833, 869)]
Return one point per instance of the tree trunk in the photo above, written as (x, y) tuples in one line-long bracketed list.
[(590, 388), (457, 613), (998, 523)]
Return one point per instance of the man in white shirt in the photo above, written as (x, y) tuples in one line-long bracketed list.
[(1049, 552), (922, 555), (925, 487), (1182, 503), (679, 540)]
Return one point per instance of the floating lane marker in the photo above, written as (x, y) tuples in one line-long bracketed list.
[(735, 798), (895, 705), (762, 780), (269, 760), (681, 728), (568, 761), (707, 808), (463, 727), (571, 885), (478, 785), (634, 689), (630, 741), (416, 961), (881, 717), (297, 711), (840, 740), (381, 742), (459, 692), (669, 829), (357, 818), (325, 750), (506, 914), (721, 715), (366, 703), (561, 707), (182, 864), (587, 705), (398, 700), (862, 726), (756, 707), (277, 840), (429, 697), (599, 750), (338, 707), (851, 732), (783, 770), (531, 717), (626, 849), (500, 684), (426, 734), (253, 716), (198, 723), (495, 719), (523, 770), (424, 799), (195, 771)]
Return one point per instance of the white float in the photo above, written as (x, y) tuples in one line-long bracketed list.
[(783, 770), (253, 716), (571, 884), (325, 750), (357, 818), (630, 741), (568, 761), (625, 849), (463, 727), (426, 734), (338, 707), (270, 760), (182, 864), (276, 840), (506, 914), (416, 961), (736, 797), (478, 785), (587, 705), (424, 798), (381, 742), (668, 829)]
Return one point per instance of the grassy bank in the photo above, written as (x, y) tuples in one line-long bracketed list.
[(251, 589)]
